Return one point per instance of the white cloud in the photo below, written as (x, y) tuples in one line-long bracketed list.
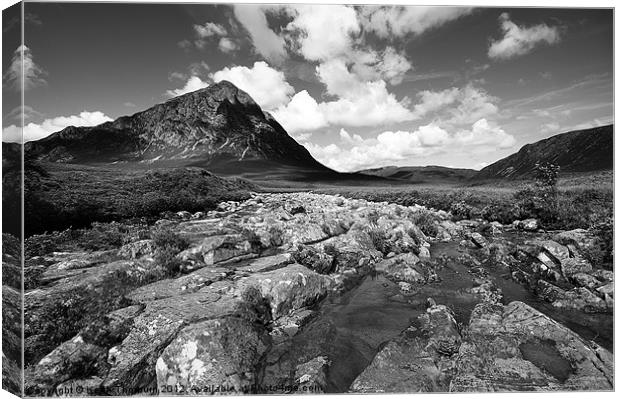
[(484, 133), (373, 106), (210, 29), (33, 75), (355, 153), (267, 42), (193, 83), (520, 40), (227, 45), (323, 31), (431, 101), (474, 104), (398, 21), (267, 86), (302, 113), (36, 131), (457, 105)]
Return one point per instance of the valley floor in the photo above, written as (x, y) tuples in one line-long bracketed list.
[(318, 293)]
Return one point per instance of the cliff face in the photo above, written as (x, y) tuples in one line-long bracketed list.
[(217, 121)]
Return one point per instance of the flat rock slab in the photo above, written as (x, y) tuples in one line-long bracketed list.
[(517, 348)]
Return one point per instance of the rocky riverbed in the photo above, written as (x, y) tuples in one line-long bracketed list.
[(321, 293)]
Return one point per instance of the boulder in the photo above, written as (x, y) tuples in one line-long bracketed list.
[(221, 353), (311, 376), (290, 288), (216, 249), (73, 357), (314, 259), (418, 360), (527, 224), (479, 240), (517, 348), (402, 268), (137, 249)]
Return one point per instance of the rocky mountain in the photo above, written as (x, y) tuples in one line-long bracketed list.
[(220, 124), (421, 174), (577, 151)]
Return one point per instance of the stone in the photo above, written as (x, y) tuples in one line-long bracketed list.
[(479, 240), (216, 249), (402, 268), (287, 326), (405, 287), (81, 387), (184, 215), (585, 280), (137, 249), (290, 288), (314, 259), (517, 348), (607, 289), (581, 298), (311, 376), (416, 361), (73, 357), (527, 224), (424, 253), (221, 353), (574, 266), (266, 263)]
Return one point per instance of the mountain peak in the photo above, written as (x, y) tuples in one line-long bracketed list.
[(217, 123), (218, 92)]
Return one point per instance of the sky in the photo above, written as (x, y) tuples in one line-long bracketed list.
[(358, 86)]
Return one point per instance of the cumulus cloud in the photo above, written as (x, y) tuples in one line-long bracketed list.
[(373, 106), (301, 114), (193, 83), (455, 105), (398, 21), (267, 86), (36, 131), (323, 32), (210, 29), (520, 40), (227, 45), (33, 74), (355, 153), (266, 42), (484, 133)]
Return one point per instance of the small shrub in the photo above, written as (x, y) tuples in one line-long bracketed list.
[(460, 210), (379, 240), (276, 236), (426, 222), (604, 232), (167, 245), (330, 249), (253, 238)]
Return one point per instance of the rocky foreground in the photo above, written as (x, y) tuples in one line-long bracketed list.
[(256, 275)]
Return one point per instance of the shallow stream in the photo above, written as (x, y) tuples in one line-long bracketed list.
[(350, 329)]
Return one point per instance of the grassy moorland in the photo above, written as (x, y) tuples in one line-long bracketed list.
[(60, 196), (581, 201)]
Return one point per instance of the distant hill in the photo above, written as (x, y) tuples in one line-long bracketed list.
[(421, 174), (585, 150)]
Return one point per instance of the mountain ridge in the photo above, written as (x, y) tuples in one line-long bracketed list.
[(217, 121), (585, 150)]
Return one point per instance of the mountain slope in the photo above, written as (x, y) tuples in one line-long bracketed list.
[(420, 174), (211, 125), (578, 151)]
